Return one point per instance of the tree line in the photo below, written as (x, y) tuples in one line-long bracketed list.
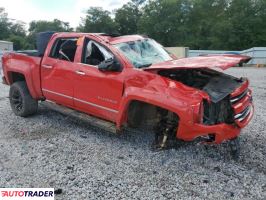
[(198, 24)]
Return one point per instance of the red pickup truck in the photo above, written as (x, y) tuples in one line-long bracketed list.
[(132, 81)]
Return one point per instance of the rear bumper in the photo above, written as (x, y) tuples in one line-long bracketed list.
[(222, 132)]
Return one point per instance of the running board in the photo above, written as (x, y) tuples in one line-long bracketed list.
[(91, 120)]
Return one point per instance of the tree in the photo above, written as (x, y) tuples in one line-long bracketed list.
[(138, 2), (97, 20), (165, 20), (19, 42), (207, 24), (17, 35), (198, 24), (247, 24), (42, 26), (260, 30), (18, 28), (4, 24), (13, 31), (55, 25), (127, 18)]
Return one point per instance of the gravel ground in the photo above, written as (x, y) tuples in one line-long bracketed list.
[(52, 150)]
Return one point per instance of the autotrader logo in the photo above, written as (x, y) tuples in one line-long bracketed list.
[(26, 193)]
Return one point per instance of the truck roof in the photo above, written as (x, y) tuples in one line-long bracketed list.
[(110, 38)]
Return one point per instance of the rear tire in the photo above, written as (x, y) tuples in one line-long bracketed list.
[(21, 101)]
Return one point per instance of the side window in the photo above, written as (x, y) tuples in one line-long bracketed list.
[(94, 53), (64, 49)]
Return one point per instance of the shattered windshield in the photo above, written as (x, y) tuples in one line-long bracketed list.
[(143, 53)]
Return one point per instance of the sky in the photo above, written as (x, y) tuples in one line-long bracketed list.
[(66, 10)]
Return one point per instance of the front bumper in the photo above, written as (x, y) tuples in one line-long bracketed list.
[(222, 132), (241, 102)]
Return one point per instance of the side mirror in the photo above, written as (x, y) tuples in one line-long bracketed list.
[(110, 65)]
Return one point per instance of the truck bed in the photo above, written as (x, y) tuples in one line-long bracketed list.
[(33, 53), (27, 64)]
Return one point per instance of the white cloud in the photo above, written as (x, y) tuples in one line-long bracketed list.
[(72, 11)]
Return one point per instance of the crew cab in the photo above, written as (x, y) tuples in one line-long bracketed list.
[(132, 81)]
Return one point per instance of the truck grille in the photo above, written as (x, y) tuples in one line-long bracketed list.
[(241, 104), (238, 97), (241, 116), (220, 112)]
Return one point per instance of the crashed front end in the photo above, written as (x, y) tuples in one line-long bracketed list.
[(225, 104), (222, 120)]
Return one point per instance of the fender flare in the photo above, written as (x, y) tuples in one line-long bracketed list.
[(157, 99), (27, 74)]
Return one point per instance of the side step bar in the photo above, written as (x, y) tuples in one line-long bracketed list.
[(91, 120)]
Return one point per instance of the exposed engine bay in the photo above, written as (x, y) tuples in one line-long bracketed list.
[(216, 84)]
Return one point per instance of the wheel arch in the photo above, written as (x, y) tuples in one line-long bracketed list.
[(128, 104), (15, 76)]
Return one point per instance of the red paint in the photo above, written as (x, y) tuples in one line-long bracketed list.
[(108, 94), (214, 61)]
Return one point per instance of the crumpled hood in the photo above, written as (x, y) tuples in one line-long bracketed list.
[(223, 61)]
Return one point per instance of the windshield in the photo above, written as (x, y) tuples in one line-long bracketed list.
[(143, 53)]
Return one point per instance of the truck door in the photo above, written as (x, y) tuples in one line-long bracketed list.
[(57, 71), (97, 92)]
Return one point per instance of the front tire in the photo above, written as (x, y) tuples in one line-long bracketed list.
[(21, 101)]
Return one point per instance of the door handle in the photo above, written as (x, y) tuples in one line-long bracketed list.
[(47, 66), (80, 73)]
